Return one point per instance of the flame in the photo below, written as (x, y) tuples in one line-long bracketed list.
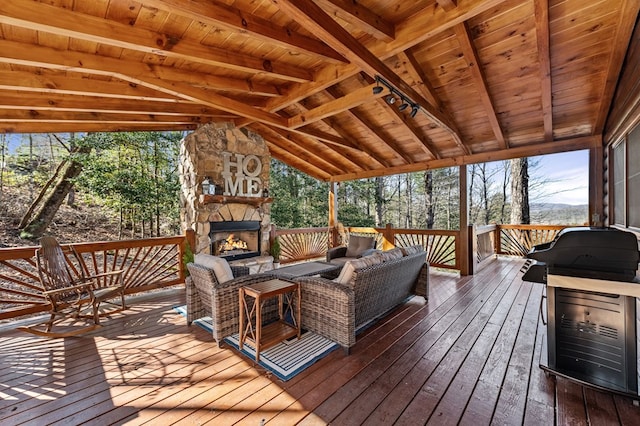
[(233, 243)]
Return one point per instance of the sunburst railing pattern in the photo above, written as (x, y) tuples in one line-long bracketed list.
[(147, 264), (517, 240), (302, 243)]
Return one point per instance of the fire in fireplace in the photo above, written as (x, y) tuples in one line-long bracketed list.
[(235, 239)]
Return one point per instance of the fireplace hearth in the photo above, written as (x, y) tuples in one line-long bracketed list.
[(235, 240)]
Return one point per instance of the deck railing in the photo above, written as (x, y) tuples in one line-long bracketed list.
[(147, 264), (511, 240), (443, 247), (157, 262)]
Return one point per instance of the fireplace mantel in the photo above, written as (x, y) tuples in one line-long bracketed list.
[(224, 199)]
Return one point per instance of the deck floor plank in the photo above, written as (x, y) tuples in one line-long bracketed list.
[(469, 355)]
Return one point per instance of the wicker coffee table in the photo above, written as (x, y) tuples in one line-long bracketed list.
[(307, 269)]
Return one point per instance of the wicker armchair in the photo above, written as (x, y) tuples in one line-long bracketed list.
[(207, 296)]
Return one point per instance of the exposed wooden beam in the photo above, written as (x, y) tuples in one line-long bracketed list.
[(372, 129), (480, 82), (134, 72), (448, 5), (541, 10), (68, 127), (416, 72), (628, 16), (353, 99), (313, 17), (414, 131), (215, 13), (359, 16), (54, 82), (16, 115), (586, 142), (59, 21), (283, 154), (58, 102), (292, 144), (347, 142), (427, 23)]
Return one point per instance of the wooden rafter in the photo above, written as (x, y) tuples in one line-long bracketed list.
[(358, 15), (136, 73), (83, 126), (347, 141), (417, 73), (215, 13), (344, 103), (373, 130), (64, 84), (473, 63), (541, 8), (312, 16), (293, 145), (55, 101), (55, 20)]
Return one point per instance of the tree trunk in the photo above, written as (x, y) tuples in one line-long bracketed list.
[(520, 191), (379, 200), (428, 190), (52, 202)]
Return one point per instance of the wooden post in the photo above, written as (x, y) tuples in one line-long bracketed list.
[(333, 214), (464, 251), (596, 186), (389, 238), (473, 249)]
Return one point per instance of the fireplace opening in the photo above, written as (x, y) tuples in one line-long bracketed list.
[(235, 239)]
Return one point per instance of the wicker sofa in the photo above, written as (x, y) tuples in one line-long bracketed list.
[(207, 296), (337, 309)]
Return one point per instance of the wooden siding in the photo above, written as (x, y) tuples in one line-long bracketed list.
[(468, 356)]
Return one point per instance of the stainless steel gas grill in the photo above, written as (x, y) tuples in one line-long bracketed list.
[(592, 287)]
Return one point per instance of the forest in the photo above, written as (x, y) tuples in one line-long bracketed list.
[(127, 183)]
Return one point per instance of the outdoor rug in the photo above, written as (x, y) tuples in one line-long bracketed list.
[(286, 359)]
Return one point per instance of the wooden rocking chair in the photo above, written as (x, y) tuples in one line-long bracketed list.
[(69, 291)]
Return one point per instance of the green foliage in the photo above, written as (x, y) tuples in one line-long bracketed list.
[(300, 200), (187, 257), (275, 249)]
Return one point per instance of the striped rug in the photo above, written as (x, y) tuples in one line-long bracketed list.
[(287, 358)]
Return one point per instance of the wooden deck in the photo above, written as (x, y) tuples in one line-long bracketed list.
[(469, 356)]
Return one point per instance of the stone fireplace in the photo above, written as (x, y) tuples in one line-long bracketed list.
[(234, 220)]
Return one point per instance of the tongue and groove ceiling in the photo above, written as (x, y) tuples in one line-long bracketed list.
[(493, 79)]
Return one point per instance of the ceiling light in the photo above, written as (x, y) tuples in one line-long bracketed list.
[(377, 89), (391, 100), (414, 110), (403, 106)]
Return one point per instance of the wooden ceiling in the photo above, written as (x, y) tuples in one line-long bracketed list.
[(494, 79)]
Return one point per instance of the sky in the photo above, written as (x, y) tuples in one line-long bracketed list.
[(567, 175)]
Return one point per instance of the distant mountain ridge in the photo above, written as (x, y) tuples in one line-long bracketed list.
[(559, 214)]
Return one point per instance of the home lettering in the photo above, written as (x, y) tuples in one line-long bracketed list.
[(241, 175)]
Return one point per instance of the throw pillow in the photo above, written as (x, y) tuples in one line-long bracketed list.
[(345, 274), (358, 244), (220, 267)]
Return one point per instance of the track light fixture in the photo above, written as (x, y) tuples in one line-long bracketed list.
[(405, 101)]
